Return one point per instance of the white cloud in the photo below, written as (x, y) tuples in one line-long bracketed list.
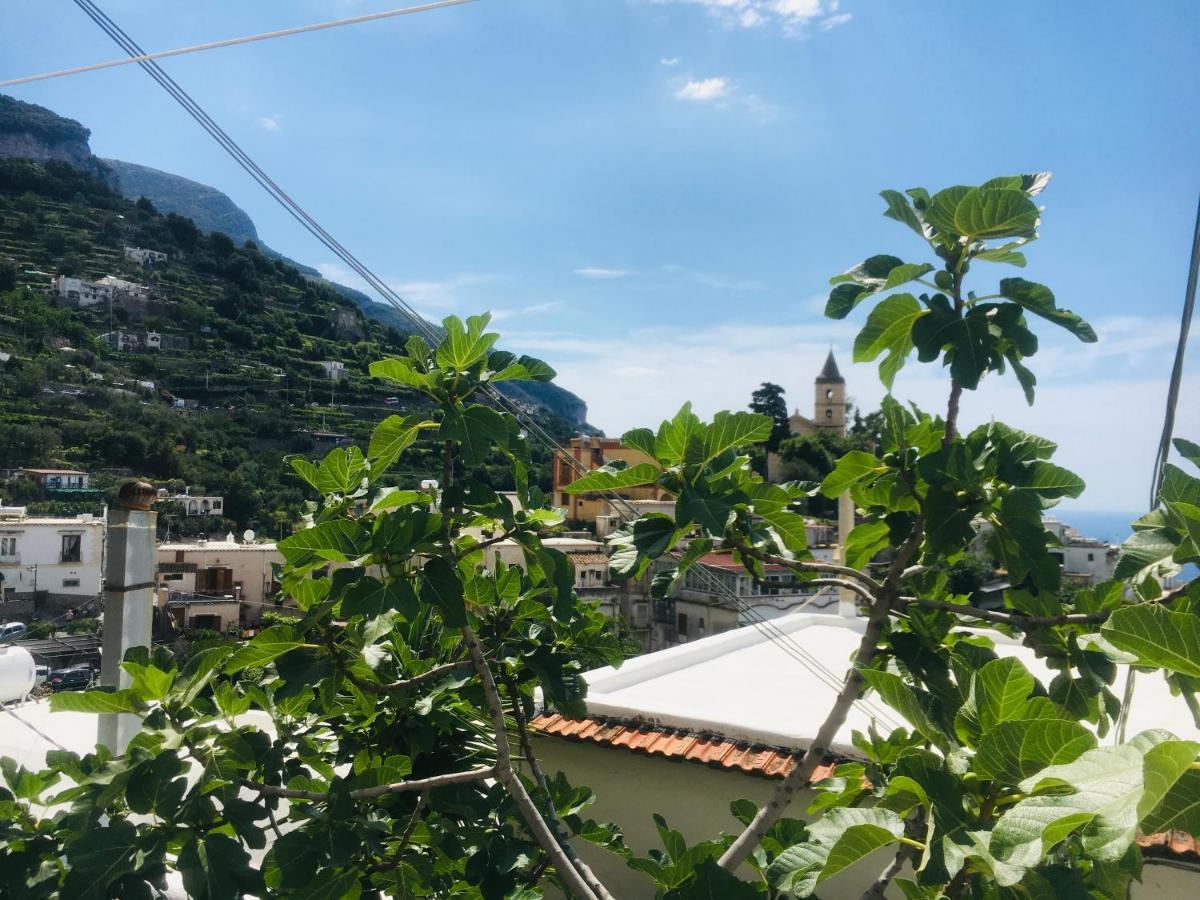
[(670, 61), (433, 298), (270, 123), (793, 17), (500, 315), (704, 90), (1102, 403), (600, 272)]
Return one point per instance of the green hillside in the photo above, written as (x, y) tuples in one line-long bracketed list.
[(246, 333)]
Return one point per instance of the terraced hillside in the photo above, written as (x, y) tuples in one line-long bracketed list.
[(231, 385)]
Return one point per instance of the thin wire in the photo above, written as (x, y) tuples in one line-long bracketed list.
[(231, 42), (1164, 442), (114, 31), (33, 728)]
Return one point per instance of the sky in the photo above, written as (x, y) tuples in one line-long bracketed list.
[(652, 194)]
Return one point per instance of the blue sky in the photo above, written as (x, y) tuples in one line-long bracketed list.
[(651, 194)]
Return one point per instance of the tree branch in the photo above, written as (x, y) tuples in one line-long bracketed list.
[(877, 891), (798, 778), (539, 776), (383, 790), (507, 775)]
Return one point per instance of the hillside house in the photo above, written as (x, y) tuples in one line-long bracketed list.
[(194, 505), (144, 257), (77, 292), (335, 370), (49, 563), (58, 479), (241, 572), (686, 731)]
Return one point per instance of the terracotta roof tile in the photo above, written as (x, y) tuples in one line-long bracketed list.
[(756, 759)]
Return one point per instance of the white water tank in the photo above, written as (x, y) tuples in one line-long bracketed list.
[(17, 673)]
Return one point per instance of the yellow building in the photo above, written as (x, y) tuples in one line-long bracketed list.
[(587, 453)]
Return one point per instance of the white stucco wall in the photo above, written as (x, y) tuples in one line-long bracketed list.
[(39, 543), (695, 800)]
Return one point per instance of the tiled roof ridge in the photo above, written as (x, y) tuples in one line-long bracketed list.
[(717, 751)]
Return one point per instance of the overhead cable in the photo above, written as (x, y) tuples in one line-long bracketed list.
[(232, 42)]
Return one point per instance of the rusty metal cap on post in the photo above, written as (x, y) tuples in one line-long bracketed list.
[(136, 495)]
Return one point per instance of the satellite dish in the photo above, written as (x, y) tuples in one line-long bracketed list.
[(248, 536)]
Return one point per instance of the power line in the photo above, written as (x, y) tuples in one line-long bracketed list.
[(231, 42), (773, 633)]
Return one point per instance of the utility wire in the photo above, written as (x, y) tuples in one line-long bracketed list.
[(1164, 442), (231, 42), (425, 328)]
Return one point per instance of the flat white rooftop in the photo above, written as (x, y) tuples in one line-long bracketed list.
[(745, 686)]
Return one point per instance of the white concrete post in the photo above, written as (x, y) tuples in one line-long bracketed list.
[(128, 599), (847, 599)]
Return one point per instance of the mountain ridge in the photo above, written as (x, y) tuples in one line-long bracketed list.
[(34, 132)]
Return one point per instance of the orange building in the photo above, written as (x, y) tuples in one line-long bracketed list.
[(592, 453)]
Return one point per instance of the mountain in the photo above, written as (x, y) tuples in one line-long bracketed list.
[(33, 132), (210, 209)]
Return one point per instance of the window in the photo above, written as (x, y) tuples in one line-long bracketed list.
[(70, 582), (71, 546), (681, 624), (829, 393), (174, 576), (829, 413), (1091, 557), (8, 546)]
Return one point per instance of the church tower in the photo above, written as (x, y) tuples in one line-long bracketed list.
[(829, 407)]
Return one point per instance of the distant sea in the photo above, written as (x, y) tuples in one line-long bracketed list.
[(1110, 527)]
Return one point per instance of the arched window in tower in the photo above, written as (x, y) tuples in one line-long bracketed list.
[(829, 413), (829, 393)]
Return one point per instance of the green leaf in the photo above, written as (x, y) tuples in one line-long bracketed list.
[(1159, 638), (839, 840), (791, 527), (889, 329), (476, 429), (983, 212), (1164, 765), (339, 540), (912, 703), (1015, 750), (1179, 809), (98, 701), (671, 443), (391, 437), (441, 588), (1105, 786), (655, 534), (1178, 486), (1049, 480), (214, 868), (369, 597), (1007, 253), (149, 682), (1002, 688), (1038, 299), (463, 347), (901, 210), (1144, 549), (853, 468), (403, 371), (866, 540), (269, 644), (99, 857), (610, 478), (1188, 450), (711, 882), (730, 430), (640, 439), (393, 499), (341, 471)]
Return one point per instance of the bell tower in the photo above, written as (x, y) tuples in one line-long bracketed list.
[(829, 405)]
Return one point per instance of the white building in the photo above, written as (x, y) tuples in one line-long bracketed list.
[(58, 479), (335, 369), (144, 257), (686, 731), (80, 292), (119, 286), (194, 504), (51, 562), (1085, 561), (244, 572)]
